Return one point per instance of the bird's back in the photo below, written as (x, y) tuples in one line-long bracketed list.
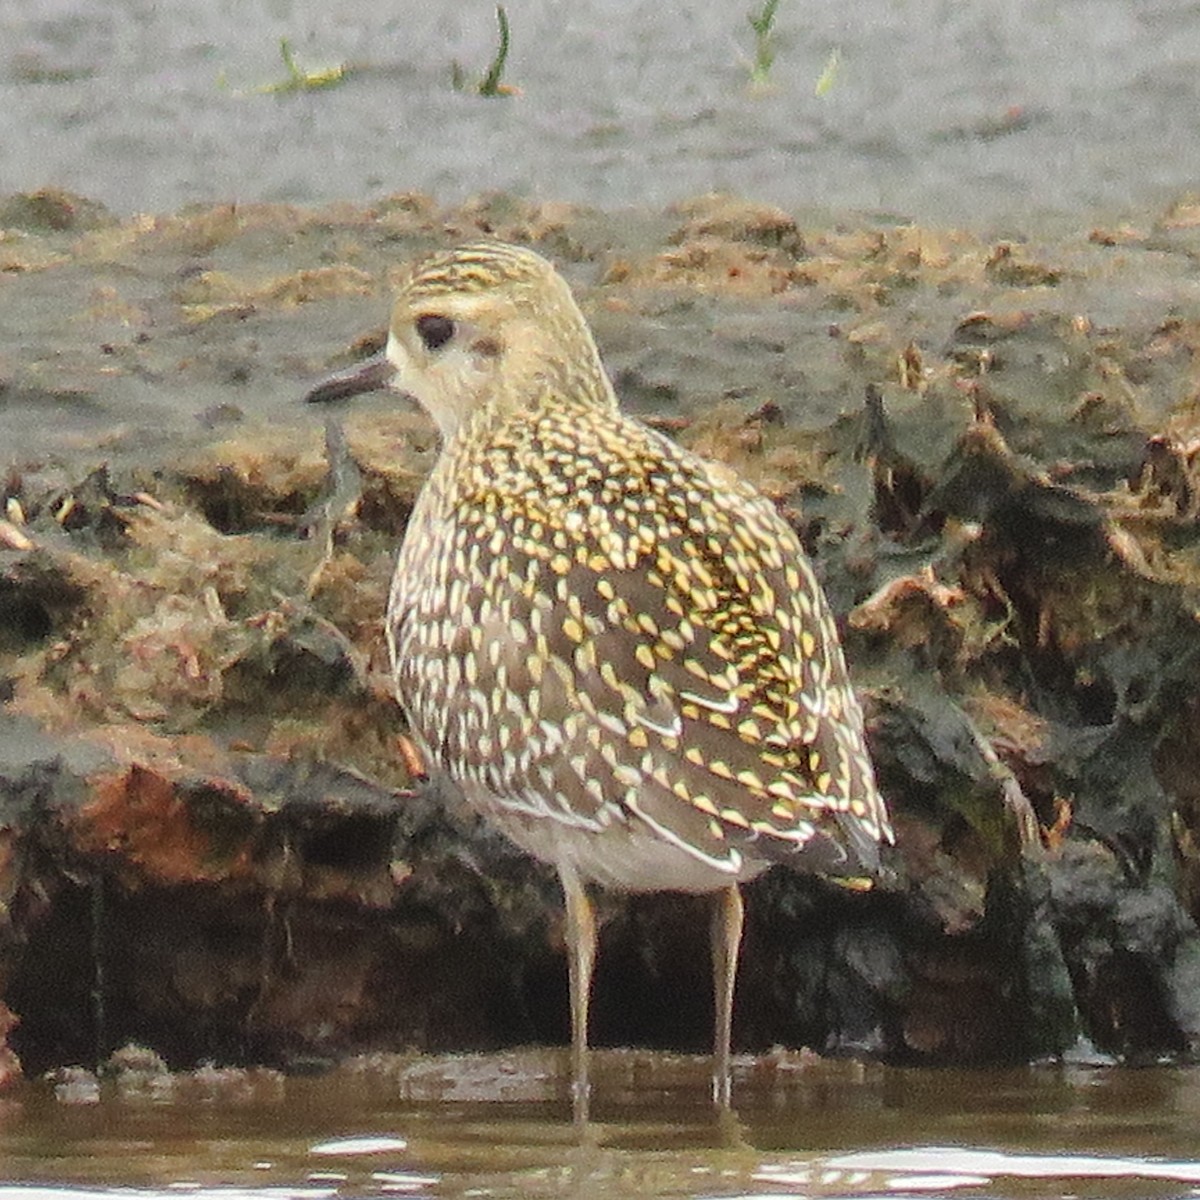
[(616, 646)]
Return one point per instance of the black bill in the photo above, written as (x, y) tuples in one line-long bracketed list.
[(371, 375)]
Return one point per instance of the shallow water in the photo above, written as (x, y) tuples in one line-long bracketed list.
[(936, 109), (804, 1127)]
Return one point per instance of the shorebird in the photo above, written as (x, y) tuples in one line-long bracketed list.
[(616, 649)]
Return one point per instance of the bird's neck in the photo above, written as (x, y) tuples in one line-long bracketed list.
[(553, 393), (509, 428)]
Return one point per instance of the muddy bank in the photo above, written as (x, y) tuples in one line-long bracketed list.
[(209, 841)]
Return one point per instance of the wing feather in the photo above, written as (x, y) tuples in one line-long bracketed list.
[(648, 644)]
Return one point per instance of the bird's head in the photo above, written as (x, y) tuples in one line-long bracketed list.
[(486, 323)]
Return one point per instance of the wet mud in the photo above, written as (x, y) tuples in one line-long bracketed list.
[(211, 845)]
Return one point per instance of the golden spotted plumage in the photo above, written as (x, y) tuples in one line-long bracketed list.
[(616, 648), (592, 626)]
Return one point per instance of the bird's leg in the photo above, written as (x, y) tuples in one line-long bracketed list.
[(581, 958), (726, 941)]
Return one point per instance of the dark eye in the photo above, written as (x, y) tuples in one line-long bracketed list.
[(434, 330)]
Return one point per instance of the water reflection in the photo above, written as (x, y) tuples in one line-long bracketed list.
[(946, 1168), (401, 1126)]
